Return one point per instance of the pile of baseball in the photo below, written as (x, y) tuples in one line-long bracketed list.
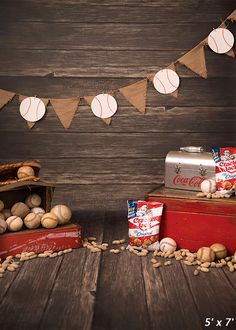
[(31, 215)]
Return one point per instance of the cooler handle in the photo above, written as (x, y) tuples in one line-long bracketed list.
[(192, 149)]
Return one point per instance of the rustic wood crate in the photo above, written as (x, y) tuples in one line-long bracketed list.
[(195, 222), (41, 239)]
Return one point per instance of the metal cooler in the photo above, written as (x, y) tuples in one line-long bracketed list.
[(188, 167)]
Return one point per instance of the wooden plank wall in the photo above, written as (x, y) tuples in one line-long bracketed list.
[(64, 48)]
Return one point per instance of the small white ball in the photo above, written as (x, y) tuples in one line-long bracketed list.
[(63, 213), (32, 221), (3, 226), (33, 200), (208, 186), (38, 210), (167, 244), (14, 223)]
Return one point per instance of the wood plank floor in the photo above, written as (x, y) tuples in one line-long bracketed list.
[(84, 290)]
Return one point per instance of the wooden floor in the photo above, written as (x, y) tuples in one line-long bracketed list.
[(84, 290)]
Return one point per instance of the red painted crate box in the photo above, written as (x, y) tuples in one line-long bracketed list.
[(41, 239), (195, 222)]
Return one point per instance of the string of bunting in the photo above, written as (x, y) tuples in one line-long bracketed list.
[(104, 106)]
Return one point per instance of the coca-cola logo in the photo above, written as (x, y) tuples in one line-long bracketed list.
[(194, 181)]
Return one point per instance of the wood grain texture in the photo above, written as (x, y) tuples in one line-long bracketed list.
[(71, 303), (102, 63), (118, 37), (162, 296), (114, 11), (117, 306), (68, 48), (37, 282)]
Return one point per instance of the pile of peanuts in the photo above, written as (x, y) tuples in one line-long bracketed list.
[(188, 258), (11, 263), (91, 244), (215, 195)]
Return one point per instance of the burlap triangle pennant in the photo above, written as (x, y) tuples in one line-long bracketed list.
[(195, 60), (65, 109), (136, 94), (172, 67), (232, 16), (89, 99), (5, 97), (32, 123)]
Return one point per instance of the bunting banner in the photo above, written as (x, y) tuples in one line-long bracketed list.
[(5, 97), (136, 94), (65, 109), (45, 101), (166, 81), (195, 60)]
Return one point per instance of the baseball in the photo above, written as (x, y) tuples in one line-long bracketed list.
[(205, 254), (1, 205), (220, 40), (208, 186), (20, 209), (25, 171), (14, 223), (32, 109), (3, 226), (49, 220), (220, 250), (32, 221), (63, 213), (33, 200), (166, 81), (167, 244), (38, 210), (6, 213), (104, 106)]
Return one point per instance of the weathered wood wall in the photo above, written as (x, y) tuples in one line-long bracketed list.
[(68, 48)]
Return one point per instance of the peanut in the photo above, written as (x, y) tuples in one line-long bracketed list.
[(231, 269), (213, 264), (67, 250), (10, 269), (122, 248), (94, 243), (9, 257), (178, 258), (116, 242), (228, 258), (154, 261), (219, 265), (60, 253), (167, 263), (188, 263), (33, 256), (1, 275), (2, 270), (91, 238), (196, 272), (205, 264), (163, 254), (53, 255), (17, 256), (204, 269), (42, 255), (95, 249), (156, 265)]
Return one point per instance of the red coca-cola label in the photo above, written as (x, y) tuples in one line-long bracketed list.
[(194, 181)]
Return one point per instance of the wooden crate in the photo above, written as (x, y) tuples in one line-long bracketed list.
[(195, 222), (41, 239), (17, 192)]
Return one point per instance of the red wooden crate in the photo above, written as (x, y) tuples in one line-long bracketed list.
[(195, 222), (39, 240)]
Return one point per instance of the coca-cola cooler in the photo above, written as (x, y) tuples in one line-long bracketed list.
[(188, 167)]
